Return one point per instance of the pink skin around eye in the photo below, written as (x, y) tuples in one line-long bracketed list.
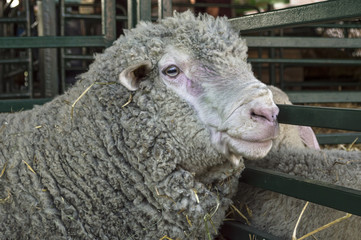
[(193, 88)]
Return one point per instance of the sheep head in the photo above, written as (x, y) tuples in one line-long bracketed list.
[(203, 61)]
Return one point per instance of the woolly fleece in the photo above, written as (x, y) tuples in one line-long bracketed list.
[(142, 171)]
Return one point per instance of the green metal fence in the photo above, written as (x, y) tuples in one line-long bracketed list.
[(52, 45), (312, 16), (47, 40)]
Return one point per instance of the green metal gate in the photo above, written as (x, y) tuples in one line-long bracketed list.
[(52, 49)]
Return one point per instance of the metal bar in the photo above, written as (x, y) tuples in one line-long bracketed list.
[(317, 83), (343, 199), (339, 138), (271, 66), (336, 25), (80, 4), (62, 50), (233, 230), (220, 5), (12, 20), (2, 33), (281, 66), (53, 42), (336, 118), (17, 60), (30, 54), (121, 18), (306, 61), (48, 57), (144, 10), (79, 57), (259, 66), (82, 16), (108, 21), (15, 95), (323, 97), (303, 42), (21, 104), (82, 69), (132, 13), (297, 16), (164, 9)]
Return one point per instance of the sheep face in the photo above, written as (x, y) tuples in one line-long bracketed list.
[(204, 62), (237, 109)]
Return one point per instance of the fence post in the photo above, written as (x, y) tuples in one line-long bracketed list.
[(48, 56)]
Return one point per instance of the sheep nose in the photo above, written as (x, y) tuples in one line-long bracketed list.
[(268, 114)]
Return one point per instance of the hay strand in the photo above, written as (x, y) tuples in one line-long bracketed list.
[(29, 167), (156, 190), (249, 211), (2, 128), (166, 237), (318, 229), (326, 226), (298, 222), (208, 218), (189, 221), (77, 100), (180, 211), (239, 212), (251, 237), (6, 199), (214, 227), (207, 229), (195, 194), (353, 143), (163, 196), (3, 170), (129, 101)]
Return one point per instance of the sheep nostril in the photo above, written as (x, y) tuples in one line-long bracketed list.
[(264, 113)]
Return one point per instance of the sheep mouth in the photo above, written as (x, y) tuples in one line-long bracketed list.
[(236, 147), (252, 139), (239, 148), (236, 144)]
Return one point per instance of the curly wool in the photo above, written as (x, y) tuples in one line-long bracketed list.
[(277, 214), (142, 171)]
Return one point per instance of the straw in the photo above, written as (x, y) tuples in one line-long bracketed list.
[(4, 168), (29, 167), (6, 199), (129, 101), (77, 100), (298, 222), (326, 226), (239, 212)]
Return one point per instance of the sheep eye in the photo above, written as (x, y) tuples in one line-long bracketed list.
[(172, 71)]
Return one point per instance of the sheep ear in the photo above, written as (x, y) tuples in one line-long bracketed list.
[(133, 75), (308, 137)]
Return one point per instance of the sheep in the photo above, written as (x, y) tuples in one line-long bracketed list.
[(148, 144), (276, 213)]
